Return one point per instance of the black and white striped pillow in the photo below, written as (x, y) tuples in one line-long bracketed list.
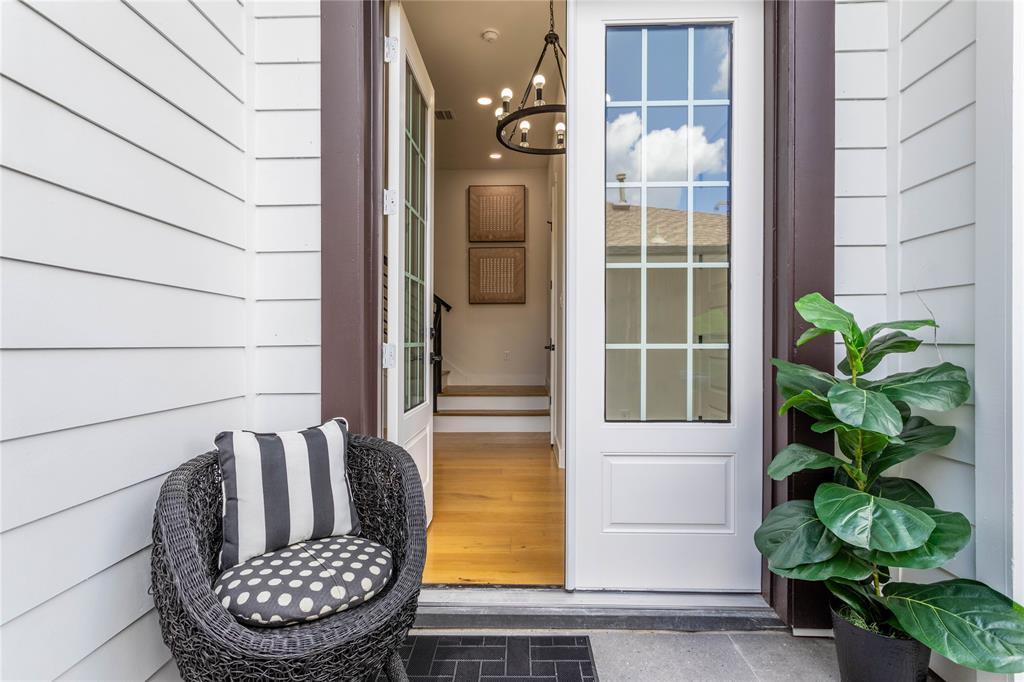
[(282, 488)]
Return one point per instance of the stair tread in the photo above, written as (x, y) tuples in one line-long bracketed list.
[(492, 413), (493, 391)]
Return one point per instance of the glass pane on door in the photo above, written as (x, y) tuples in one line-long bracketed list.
[(668, 118), (415, 213)]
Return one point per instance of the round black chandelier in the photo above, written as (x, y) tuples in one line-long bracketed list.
[(513, 129)]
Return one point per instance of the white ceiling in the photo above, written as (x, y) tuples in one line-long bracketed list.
[(464, 67)]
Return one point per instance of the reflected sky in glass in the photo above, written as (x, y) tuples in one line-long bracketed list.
[(622, 73), (667, 55), (711, 73), (711, 141)]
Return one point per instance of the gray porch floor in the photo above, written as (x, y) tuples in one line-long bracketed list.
[(641, 656)]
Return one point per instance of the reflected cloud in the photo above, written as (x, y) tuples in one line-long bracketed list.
[(667, 150), (720, 42)]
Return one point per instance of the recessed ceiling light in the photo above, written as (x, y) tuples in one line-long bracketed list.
[(484, 101), (495, 155)]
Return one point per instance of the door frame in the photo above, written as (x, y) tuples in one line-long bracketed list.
[(799, 228)]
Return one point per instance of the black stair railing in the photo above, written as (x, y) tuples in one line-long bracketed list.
[(436, 341)]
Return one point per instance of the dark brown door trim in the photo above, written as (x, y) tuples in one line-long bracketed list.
[(799, 243), (351, 176)]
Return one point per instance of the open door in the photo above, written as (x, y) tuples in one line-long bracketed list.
[(665, 301), (410, 209)]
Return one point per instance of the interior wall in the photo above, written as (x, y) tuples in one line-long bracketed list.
[(477, 336)]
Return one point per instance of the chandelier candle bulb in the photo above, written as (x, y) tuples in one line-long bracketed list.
[(506, 99), (538, 83), (560, 134), (524, 127), (499, 112)]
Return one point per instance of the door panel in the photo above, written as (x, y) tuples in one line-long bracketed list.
[(669, 433), (410, 237)]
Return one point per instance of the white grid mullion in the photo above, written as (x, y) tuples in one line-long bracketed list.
[(643, 225), (689, 227)]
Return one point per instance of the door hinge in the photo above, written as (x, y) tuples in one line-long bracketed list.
[(390, 49), (391, 202), (389, 356)]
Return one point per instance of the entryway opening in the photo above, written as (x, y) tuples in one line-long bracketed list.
[(481, 257)]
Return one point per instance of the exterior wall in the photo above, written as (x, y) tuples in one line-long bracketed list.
[(908, 184), (139, 293), (286, 220), (475, 336)]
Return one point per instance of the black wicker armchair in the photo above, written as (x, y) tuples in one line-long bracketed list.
[(209, 644)]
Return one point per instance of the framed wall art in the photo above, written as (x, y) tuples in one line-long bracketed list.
[(497, 213), (497, 274)]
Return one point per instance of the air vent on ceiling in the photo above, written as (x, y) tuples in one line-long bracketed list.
[(444, 115)]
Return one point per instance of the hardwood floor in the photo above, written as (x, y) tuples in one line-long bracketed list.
[(499, 511)]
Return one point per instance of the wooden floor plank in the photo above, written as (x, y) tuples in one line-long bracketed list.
[(499, 512)]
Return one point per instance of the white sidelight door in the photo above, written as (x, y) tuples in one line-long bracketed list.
[(410, 179), (665, 239)]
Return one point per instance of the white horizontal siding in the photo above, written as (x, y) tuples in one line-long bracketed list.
[(50, 472), (288, 228), (286, 315), (134, 653), (125, 271), (287, 86), (60, 632), (936, 237), (905, 188), (38, 134), (117, 33), (40, 56)]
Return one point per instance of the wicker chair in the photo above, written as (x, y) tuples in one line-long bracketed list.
[(209, 644)]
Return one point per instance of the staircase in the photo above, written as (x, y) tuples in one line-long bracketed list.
[(476, 409)]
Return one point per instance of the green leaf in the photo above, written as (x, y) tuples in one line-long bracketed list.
[(919, 435), (804, 400), (964, 620), (811, 334), (792, 378), (952, 533), (826, 425), (864, 409), (902, 490), (859, 597), (867, 442), (864, 520), (792, 535), (906, 325), (796, 457), (825, 314), (842, 565), (877, 349), (939, 388)]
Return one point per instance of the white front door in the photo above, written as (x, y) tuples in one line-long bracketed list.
[(665, 265), (410, 238)]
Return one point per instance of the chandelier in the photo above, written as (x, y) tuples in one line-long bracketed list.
[(513, 129)]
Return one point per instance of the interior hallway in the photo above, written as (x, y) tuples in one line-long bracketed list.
[(499, 511)]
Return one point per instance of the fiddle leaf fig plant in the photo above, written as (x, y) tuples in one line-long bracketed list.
[(865, 524)]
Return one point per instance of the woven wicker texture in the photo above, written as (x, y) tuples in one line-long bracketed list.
[(209, 644)]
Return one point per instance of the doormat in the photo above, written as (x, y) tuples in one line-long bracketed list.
[(458, 658)]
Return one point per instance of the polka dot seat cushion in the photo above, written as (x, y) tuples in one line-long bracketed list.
[(304, 581)]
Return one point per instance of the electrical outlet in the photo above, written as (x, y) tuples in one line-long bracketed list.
[(507, 355)]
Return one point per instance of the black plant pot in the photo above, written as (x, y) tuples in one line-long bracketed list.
[(868, 657)]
